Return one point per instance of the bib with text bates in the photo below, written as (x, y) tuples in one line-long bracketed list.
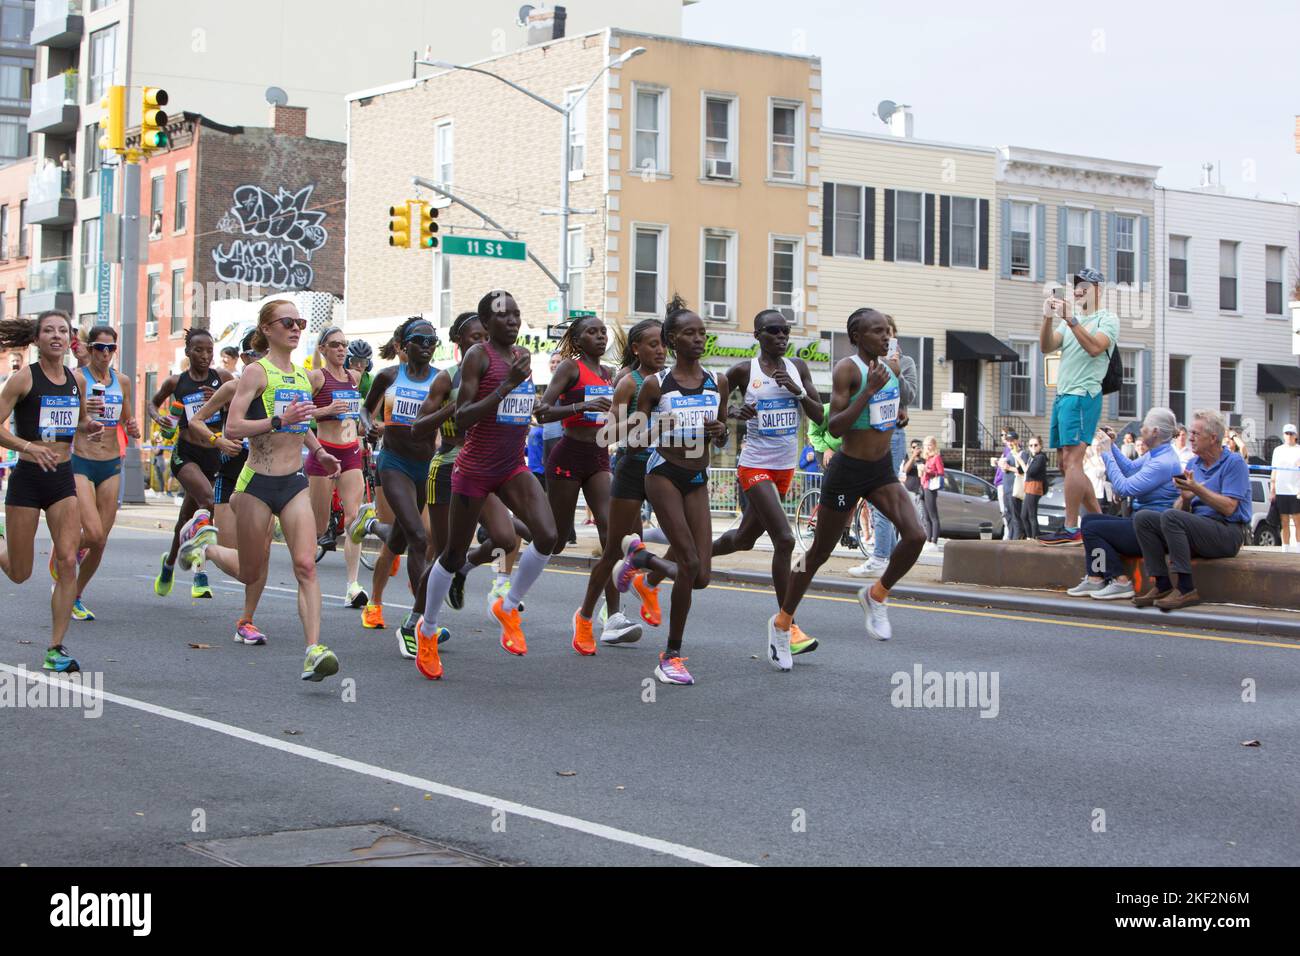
[(692, 411), (517, 407), (883, 408), (59, 416), (353, 398), (593, 392), (284, 397), (193, 402), (112, 411), (778, 417), (406, 404)]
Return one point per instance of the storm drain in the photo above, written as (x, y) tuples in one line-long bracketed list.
[(369, 844)]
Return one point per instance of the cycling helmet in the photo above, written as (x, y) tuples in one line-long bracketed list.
[(360, 354)]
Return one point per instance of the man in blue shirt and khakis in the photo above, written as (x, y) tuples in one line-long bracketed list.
[(1207, 521)]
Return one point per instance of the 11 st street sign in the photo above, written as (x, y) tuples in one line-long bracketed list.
[(484, 248)]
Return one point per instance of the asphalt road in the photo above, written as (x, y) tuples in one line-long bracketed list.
[(556, 759)]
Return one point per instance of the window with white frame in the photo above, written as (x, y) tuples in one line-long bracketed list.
[(719, 275), (720, 137), (913, 346), (103, 63), (577, 133), (94, 161), (181, 205), (577, 267), (909, 215), (1178, 388), (963, 232), (650, 121), (156, 186), (1128, 386), (443, 146), (1125, 249), (787, 291), (649, 290), (443, 272), (1022, 239), (1228, 276), (786, 126), (848, 220), (1227, 385), (1076, 240), (1273, 279), (1178, 272), (89, 256), (1021, 372), (178, 300)]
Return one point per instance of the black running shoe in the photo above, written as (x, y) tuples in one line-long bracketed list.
[(456, 595)]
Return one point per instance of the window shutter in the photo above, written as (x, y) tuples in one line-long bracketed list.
[(869, 222), (1112, 257), (984, 235), (927, 374), (1113, 412), (1096, 243), (1004, 386), (1040, 213), (1040, 375), (1146, 383), (927, 227), (828, 219), (1144, 226), (1004, 268), (888, 252), (1062, 237), (945, 210)]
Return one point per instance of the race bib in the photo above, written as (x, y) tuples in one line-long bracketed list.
[(193, 402), (517, 407), (778, 417), (112, 411), (592, 392), (353, 398), (690, 412), (406, 404), (884, 409), (284, 397), (58, 416)]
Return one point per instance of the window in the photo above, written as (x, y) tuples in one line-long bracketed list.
[(1178, 388), (13, 138), (784, 157), (103, 63), (1273, 280), (1228, 276), (4, 233), (577, 267), (913, 346), (178, 300), (1021, 372), (15, 80), (1227, 385), (908, 216), (93, 162), (719, 137), (100, 4), (444, 143), (787, 285), (649, 288), (1022, 239), (181, 212), (444, 290), (577, 134), (89, 256), (964, 232), (151, 306), (156, 186), (719, 275), (16, 20), (1125, 257), (1076, 240), (1128, 388), (848, 220), (1178, 272), (22, 229), (150, 390), (650, 150)]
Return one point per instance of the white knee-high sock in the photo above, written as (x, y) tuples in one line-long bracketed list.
[(531, 564), (435, 594)]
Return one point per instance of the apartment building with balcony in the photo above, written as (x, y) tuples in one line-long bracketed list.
[(17, 69)]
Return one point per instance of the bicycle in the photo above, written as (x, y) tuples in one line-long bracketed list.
[(857, 533)]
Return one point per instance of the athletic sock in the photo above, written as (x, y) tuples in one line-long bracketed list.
[(467, 567), (783, 621), (654, 536), (1185, 585), (435, 594), (879, 593), (612, 607), (531, 564), (1163, 583)]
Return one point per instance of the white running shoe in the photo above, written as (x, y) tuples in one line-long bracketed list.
[(877, 616), (873, 567), (1114, 591), (356, 596), (778, 646), (1086, 587), (619, 630)]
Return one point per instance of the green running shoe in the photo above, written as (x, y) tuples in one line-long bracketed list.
[(60, 661), (801, 643), (80, 612), (319, 663), (199, 588), (357, 530), (407, 645), (162, 585)]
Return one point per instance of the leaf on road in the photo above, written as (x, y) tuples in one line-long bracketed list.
[(566, 773), (138, 813), (201, 647), (293, 733), (620, 788), (428, 796), (1250, 743)]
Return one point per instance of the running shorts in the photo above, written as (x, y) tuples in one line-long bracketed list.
[(349, 457), (276, 491), (30, 486), (848, 479), (781, 477), (96, 472)]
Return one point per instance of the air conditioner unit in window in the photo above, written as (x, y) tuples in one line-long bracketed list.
[(721, 169), (1234, 419), (716, 311), (150, 329), (1180, 300)]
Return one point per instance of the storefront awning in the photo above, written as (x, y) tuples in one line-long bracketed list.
[(979, 346), (1278, 378)]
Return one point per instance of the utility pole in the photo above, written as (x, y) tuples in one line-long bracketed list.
[(132, 473)]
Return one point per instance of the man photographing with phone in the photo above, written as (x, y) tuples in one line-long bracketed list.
[(1084, 334)]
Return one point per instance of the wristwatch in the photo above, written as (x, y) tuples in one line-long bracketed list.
[(276, 423)]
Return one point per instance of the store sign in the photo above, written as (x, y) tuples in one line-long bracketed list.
[(732, 347)]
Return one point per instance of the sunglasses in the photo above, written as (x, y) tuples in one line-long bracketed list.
[(299, 324), (109, 347), (337, 345), (250, 356), (777, 329), (424, 341)]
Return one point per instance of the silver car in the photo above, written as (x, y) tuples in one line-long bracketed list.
[(966, 504)]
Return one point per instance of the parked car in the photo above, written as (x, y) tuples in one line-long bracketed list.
[(1051, 507), (966, 503)]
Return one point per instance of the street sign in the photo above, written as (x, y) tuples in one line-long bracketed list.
[(484, 248), (953, 400), (104, 267), (553, 305), (581, 314)]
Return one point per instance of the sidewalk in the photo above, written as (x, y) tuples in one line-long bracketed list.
[(923, 583)]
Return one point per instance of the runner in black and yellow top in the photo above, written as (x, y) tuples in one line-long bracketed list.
[(271, 408), (48, 409), (194, 465)]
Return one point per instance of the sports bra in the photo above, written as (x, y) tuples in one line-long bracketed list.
[(331, 389), (590, 385), (190, 395), (690, 406), (881, 412), (113, 398), (404, 397), (49, 412), (282, 389)]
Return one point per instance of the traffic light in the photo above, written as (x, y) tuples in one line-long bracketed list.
[(153, 119), (399, 225), (113, 121), (428, 226)]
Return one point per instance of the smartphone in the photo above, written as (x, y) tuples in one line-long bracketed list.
[(891, 352)]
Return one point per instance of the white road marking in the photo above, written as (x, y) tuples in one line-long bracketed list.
[(652, 844)]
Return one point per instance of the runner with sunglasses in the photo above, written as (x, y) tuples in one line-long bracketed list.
[(97, 460), (403, 466), (778, 392), (271, 408), (193, 464)]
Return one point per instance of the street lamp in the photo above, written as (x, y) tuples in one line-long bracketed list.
[(566, 112)]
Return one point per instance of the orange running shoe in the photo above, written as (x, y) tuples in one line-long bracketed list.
[(427, 661), (512, 632), (583, 641), (801, 643), (373, 617), (649, 596), (397, 566)]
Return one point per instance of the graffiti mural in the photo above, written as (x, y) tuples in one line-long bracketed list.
[(285, 229)]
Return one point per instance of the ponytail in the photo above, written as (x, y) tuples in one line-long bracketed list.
[(20, 333)]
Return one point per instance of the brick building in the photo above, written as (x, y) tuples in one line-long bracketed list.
[(15, 245)]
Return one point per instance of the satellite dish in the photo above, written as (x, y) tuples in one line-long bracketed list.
[(886, 109), (276, 96), (524, 11)]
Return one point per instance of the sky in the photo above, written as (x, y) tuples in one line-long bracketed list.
[(1170, 85)]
